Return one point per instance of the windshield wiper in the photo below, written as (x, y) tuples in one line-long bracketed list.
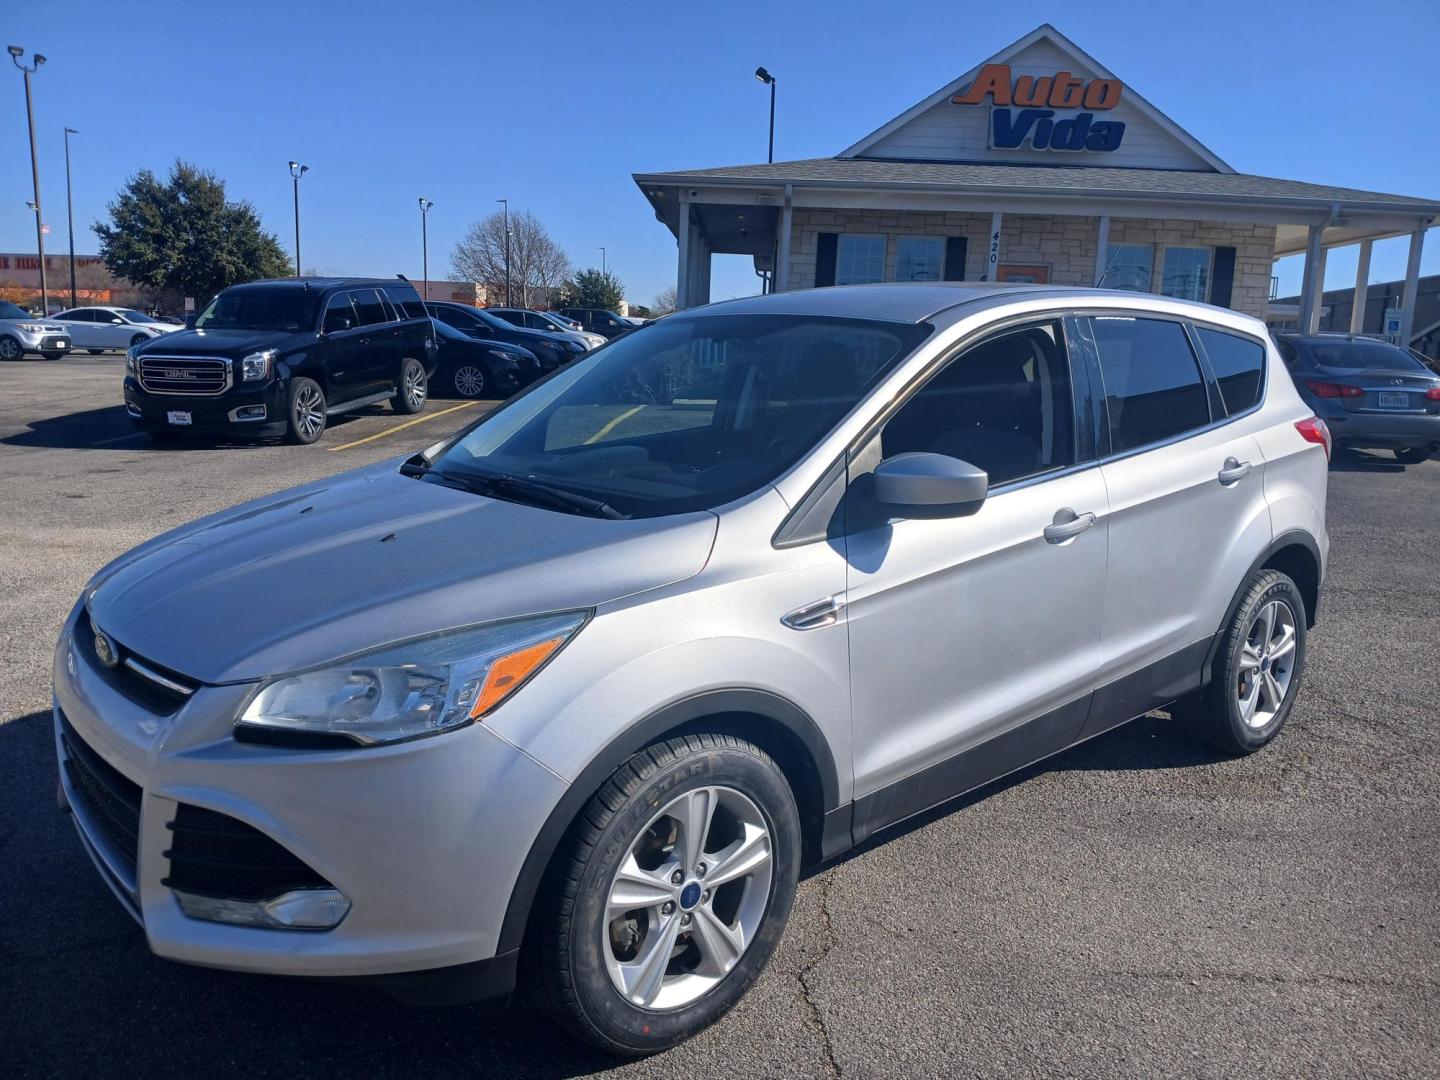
[(528, 490)]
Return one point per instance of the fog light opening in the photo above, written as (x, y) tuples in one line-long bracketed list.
[(249, 412), (299, 909), (132, 409)]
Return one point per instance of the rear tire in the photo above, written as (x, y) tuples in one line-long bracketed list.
[(634, 875), (1257, 670), (304, 412), (1412, 455), (412, 388)]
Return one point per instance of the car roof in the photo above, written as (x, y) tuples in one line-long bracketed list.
[(906, 302), (323, 282)]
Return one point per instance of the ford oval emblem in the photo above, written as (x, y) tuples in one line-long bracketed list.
[(105, 649)]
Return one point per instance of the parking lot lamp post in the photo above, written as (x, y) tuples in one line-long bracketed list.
[(769, 80), (70, 212), (425, 205), (602, 261), (506, 203), (16, 52), (296, 171)]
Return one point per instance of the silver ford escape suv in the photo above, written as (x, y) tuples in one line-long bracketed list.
[(572, 696)]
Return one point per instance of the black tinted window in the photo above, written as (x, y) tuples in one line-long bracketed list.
[(78, 315), (1153, 389), (368, 309), (339, 315), (1362, 356), (1237, 363), (1003, 405), (406, 301)]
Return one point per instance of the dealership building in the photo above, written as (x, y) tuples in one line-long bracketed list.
[(1037, 165)]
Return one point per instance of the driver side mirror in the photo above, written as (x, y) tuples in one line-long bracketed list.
[(930, 485), (117, 321)]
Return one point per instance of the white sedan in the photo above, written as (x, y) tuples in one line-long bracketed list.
[(101, 328)]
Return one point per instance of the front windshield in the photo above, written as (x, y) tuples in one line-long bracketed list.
[(13, 311), (130, 315), (1362, 356), (249, 308), (691, 414)]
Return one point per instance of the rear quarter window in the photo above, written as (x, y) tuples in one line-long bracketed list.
[(1238, 363), (405, 300)]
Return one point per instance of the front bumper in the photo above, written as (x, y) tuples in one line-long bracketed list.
[(55, 340), (425, 838), (236, 411)]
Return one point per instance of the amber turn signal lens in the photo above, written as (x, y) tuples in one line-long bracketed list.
[(507, 673)]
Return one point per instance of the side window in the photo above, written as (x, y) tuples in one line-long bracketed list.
[(1237, 363), (1153, 388), (1287, 352), (368, 309), (339, 315), (405, 301), (1004, 405)]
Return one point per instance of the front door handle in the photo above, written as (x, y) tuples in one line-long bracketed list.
[(1233, 471), (1067, 525)]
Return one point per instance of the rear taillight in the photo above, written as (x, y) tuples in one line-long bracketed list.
[(1333, 390), (1433, 394), (1314, 430)]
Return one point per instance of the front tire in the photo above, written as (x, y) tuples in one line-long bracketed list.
[(10, 348), (413, 387), (139, 339), (304, 412), (671, 894), (1412, 455), (469, 381), (1257, 670)]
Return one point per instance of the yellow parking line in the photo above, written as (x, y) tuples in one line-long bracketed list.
[(402, 427), (611, 425)]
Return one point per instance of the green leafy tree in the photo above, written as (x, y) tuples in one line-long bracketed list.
[(594, 289), (181, 237)]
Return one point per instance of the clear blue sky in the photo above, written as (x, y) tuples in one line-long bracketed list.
[(555, 104)]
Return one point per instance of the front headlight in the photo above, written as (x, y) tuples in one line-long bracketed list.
[(32, 328), (256, 365), (130, 359), (415, 688)]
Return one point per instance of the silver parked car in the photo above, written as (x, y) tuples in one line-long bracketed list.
[(551, 324), (101, 328), (590, 681), (21, 333)]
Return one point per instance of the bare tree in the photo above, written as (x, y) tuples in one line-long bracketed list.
[(538, 265), (665, 302)]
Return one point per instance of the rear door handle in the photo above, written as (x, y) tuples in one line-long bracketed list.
[(1233, 471), (1067, 525)]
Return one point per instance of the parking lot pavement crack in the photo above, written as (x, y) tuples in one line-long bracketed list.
[(827, 942), (1256, 979)]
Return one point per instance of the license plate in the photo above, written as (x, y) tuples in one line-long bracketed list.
[(178, 418), (1391, 400), (62, 343)]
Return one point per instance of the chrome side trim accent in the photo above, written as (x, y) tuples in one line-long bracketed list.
[(815, 615), (158, 679)]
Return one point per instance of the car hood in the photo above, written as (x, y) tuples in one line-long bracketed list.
[(368, 558), (233, 343)]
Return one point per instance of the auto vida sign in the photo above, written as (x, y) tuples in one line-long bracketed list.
[(1024, 110)]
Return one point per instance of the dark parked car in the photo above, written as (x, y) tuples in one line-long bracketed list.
[(279, 357), (551, 350), (599, 321), (1373, 395), (472, 368)]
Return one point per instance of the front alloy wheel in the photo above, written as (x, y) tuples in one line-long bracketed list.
[(10, 348), (671, 893), (469, 381), (307, 411), (410, 394)]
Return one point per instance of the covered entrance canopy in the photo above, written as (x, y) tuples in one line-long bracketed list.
[(1039, 157)]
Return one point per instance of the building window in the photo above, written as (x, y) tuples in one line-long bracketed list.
[(859, 260), (919, 258), (1186, 273), (1128, 266)]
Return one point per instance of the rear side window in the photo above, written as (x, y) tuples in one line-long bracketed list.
[(368, 309), (1153, 388), (406, 302), (1237, 363)]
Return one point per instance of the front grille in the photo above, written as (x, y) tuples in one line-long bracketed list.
[(198, 376), (110, 800), (149, 685), (215, 855)]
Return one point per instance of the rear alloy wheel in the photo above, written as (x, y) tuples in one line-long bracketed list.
[(410, 394), (10, 348), (469, 381), (1257, 670), (305, 415), (672, 895), (1413, 455)]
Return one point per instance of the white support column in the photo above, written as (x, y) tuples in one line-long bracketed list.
[(1317, 306), (1412, 283), (1102, 250), (781, 275), (682, 275), (700, 272), (1307, 280), (1362, 288), (992, 251)]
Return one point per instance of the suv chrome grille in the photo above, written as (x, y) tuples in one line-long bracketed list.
[(144, 682), (197, 376)]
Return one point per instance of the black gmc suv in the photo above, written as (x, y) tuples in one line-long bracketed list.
[(278, 357)]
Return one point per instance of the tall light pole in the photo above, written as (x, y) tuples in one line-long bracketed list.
[(602, 260), (425, 205), (507, 249), (70, 212), (765, 77), (16, 52), (296, 171)]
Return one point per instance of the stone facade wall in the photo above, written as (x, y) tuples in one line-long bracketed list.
[(1064, 245)]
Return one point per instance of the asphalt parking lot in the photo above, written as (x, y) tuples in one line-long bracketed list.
[(1134, 907)]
